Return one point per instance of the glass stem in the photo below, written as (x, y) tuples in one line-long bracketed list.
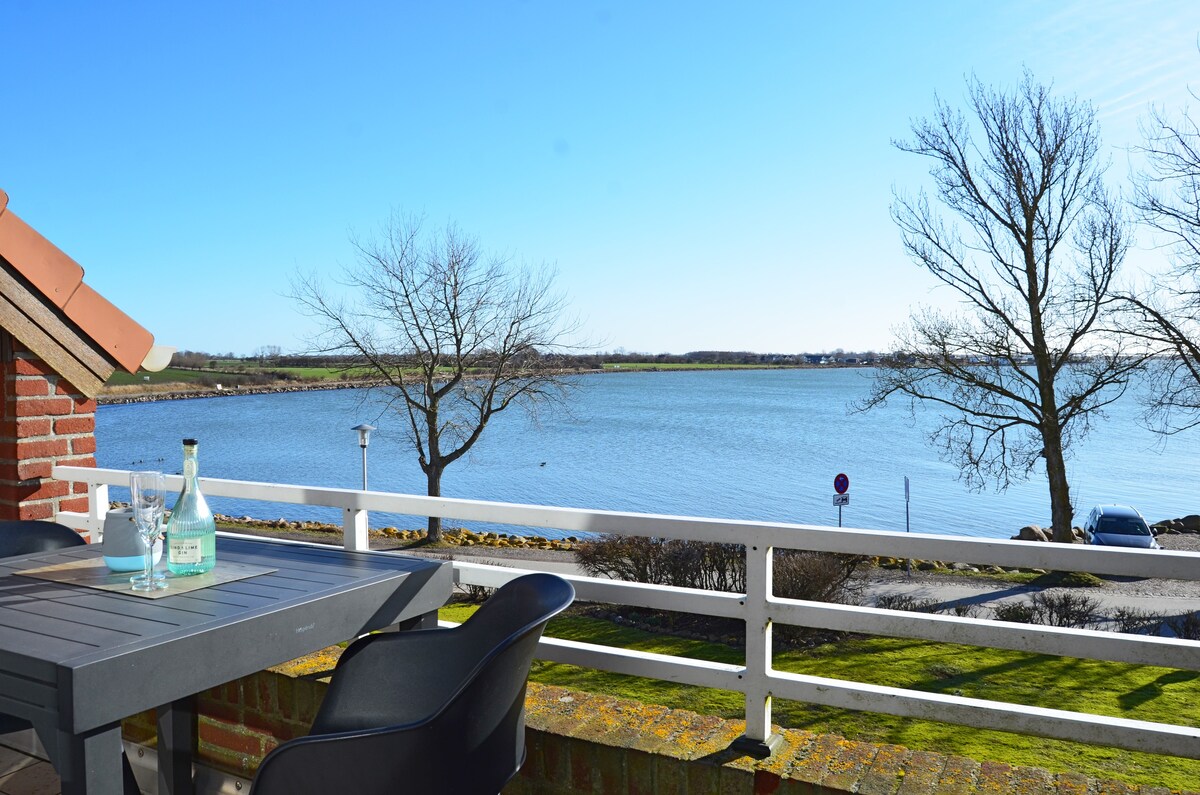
[(148, 541)]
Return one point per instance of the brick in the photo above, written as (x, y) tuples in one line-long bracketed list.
[(50, 489), (534, 768), (792, 786), (736, 781), (669, 778), (41, 448), (74, 504), (995, 777), (884, 775), (1073, 784), (639, 773), (1032, 781), (285, 688), (763, 782), (75, 424), (812, 766), (702, 778), (31, 367), (81, 461), (230, 737), (609, 775), (33, 426), (555, 758), (35, 387), (580, 764), (851, 763), (921, 772), (40, 407), (221, 711), (36, 510), (27, 470), (83, 406), (958, 777)]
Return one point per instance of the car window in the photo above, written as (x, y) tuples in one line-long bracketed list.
[(1123, 527)]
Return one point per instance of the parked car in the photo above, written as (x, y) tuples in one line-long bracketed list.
[(1118, 526)]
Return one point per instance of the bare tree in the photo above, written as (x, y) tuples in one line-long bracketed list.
[(1032, 248), (452, 335), (1168, 199)]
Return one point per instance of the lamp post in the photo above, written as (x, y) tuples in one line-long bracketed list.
[(364, 437)]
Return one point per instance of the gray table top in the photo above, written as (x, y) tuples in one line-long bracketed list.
[(92, 657)]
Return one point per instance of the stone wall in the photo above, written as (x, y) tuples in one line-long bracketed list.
[(586, 744)]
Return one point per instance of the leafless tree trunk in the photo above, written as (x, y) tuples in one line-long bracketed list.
[(1032, 246), (453, 336), (1168, 199)]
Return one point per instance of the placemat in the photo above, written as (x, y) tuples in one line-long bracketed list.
[(92, 573)]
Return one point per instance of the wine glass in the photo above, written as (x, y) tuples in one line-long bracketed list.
[(148, 493)]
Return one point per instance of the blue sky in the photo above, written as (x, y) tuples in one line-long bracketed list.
[(701, 175)]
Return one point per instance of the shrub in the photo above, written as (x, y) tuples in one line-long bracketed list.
[(900, 601), (1064, 609), (683, 564), (1134, 621), (1185, 627), (798, 574), (1017, 612), (816, 576)]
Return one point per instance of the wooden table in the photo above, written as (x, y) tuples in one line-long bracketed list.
[(75, 661)]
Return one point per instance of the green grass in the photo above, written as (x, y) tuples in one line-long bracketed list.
[(1116, 689), (167, 376)]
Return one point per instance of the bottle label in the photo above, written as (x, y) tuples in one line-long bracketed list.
[(184, 550)]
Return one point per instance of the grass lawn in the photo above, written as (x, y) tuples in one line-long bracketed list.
[(1116, 689), (167, 376)]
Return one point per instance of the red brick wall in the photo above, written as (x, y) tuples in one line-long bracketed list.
[(43, 421)]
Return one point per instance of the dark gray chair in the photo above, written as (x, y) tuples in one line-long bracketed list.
[(425, 711), (22, 537)]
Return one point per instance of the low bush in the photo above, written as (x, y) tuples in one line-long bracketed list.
[(1185, 627), (1064, 609), (1134, 621), (1016, 612), (798, 574), (901, 601)]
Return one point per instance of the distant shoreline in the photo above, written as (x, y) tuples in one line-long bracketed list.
[(149, 395)]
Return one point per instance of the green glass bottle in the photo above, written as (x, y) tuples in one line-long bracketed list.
[(191, 530)]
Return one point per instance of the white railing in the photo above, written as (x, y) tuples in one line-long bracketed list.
[(757, 679)]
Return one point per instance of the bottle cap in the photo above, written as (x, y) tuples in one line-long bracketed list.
[(190, 442)]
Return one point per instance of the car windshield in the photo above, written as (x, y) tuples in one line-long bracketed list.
[(1123, 527)]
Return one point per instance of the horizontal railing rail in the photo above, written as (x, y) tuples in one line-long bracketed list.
[(757, 679)]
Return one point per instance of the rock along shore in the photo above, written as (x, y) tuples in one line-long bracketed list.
[(208, 392)]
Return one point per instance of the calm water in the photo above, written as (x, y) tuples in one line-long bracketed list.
[(734, 444)]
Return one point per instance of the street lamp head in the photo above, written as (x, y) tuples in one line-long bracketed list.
[(364, 434)]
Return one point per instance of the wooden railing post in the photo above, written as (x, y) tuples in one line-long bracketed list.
[(758, 740)]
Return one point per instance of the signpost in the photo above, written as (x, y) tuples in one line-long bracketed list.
[(841, 484)]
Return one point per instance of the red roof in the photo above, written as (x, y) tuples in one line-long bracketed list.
[(59, 280)]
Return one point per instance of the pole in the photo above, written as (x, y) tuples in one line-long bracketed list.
[(364, 449), (839, 516), (907, 527)]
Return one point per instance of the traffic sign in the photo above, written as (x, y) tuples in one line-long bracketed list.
[(841, 483), (841, 499)]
